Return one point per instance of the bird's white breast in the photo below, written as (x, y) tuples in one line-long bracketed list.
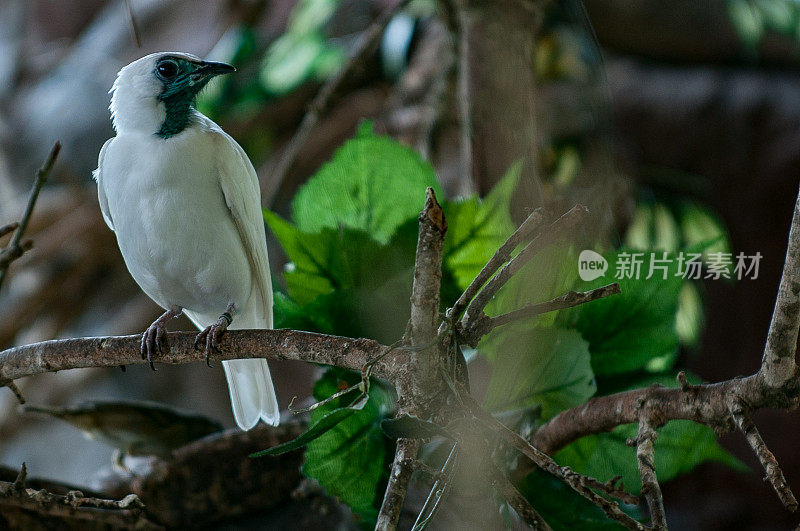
[(172, 224)]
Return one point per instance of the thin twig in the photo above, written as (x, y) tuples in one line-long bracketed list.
[(438, 491), (8, 228), (651, 490), (777, 364), (498, 480), (132, 24), (547, 237), (531, 224), (576, 481), (17, 393), (14, 250), (367, 41), (485, 324), (398, 484), (773, 471)]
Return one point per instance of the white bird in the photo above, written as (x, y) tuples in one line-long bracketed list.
[(184, 202)]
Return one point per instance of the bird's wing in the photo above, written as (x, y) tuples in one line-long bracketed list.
[(101, 192), (242, 193)]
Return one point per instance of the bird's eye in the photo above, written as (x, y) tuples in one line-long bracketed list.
[(167, 69)]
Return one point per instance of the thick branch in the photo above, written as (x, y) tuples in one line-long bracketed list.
[(15, 249), (778, 363), (651, 490), (547, 237), (773, 471), (113, 351), (421, 381)]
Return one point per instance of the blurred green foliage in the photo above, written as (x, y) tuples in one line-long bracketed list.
[(752, 19)]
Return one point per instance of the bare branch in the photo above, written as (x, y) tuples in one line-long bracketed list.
[(777, 364), (577, 482), (398, 484), (14, 249), (647, 471), (517, 501), (367, 41), (531, 224), (485, 324), (126, 513), (547, 237), (113, 351), (421, 382), (5, 229), (773, 471)]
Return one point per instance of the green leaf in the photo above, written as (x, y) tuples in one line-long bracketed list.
[(413, 427), (351, 460), (372, 183), (476, 228), (548, 367), (680, 446), (562, 507), (343, 282), (317, 429), (628, 330)]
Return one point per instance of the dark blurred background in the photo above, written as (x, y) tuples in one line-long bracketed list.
[(691, 99)]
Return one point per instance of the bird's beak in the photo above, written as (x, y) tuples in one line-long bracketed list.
[(209, 69)]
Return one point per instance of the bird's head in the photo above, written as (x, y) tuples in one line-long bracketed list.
[(155, 94)]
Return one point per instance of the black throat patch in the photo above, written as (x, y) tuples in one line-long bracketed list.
[(178, 107)]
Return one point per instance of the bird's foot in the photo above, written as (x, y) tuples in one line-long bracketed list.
[(154, 339), (211, 335)]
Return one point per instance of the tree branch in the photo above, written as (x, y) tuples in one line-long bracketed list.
[(486, 324), (531, 224), (773, 471), (14, 249), (578, 482), (778, 364), (398, 484), (549, 236), (498, 480), (113, 351), (16, 500), (651, 490), (419, 385)]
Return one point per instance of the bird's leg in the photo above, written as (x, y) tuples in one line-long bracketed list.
[(154, 339), (211, 335)]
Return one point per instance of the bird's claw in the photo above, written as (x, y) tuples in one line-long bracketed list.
[(154, 342), (209, 338)]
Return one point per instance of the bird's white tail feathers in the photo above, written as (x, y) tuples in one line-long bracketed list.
[(252, 394), (249, 381)]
